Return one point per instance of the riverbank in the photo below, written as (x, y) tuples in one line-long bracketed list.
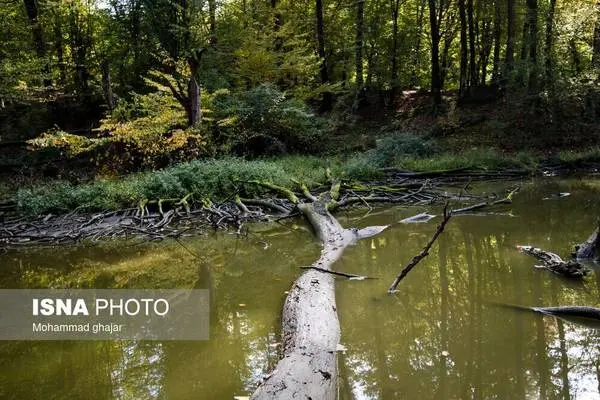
[(221, 179)]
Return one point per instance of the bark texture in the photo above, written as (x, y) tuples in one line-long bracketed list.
[(310, 326)]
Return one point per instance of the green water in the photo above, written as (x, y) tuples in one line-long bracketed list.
[(441, 337)]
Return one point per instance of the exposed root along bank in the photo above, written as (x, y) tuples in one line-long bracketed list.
[(163, 218)]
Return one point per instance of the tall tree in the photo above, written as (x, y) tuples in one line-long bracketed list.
[(360, 20), (510, 37), (31, 7), (532, 16), (436, 77), (497, 41), (473, 71), (549, 44), (596, 41), (464, 49), (173, 22), (326, 103), (395, 11)]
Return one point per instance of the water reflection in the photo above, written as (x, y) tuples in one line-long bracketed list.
[(442, 336)]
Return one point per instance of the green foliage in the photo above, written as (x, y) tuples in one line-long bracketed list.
[(215, 179), (398, 146), (263, 121)]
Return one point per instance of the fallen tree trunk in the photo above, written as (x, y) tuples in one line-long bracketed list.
[(582, 315), (310, 326), (554, 263), (590, 248)]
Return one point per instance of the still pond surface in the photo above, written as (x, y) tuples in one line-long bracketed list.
[(443, 336)]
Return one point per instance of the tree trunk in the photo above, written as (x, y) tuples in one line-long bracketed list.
[(109, 96), (58, 46), (590, 249), (533, 26), (193, 110), (596, 43), (436, 84), (310, 326), (549, 45), (473, 71), (31, 8), (464, 50), (510, 38), (497, 44), (420, 14), (360, 19), (327, 98), (395, 7)]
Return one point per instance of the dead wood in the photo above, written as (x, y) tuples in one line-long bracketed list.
[(554, 263), (343, 274), (590, 249), (424, 253), (485, 204), (310, 326)]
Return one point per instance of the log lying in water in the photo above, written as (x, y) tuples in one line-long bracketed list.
[(582, 315), (554, 263), (310, 326), (590, 249)]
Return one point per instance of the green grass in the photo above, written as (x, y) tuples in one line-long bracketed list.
[(214, 179), (572, 157), (474, 159), (220, 179)]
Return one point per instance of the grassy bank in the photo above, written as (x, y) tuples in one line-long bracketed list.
[(222, 178)]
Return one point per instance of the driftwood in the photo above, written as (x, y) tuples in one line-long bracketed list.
[(554, 263), (485, 204)]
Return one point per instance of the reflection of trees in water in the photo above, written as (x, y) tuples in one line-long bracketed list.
[(438, 338), (441, 337)]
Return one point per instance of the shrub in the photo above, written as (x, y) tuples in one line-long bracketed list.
[(263, 121), (399, 145)]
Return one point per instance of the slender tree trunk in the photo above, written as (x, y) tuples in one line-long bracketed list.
[(31, 7), (59, 48), (436, 84), (473, 71), (327, 98), (360, 19), (497, 44), (417, 49), (596, 43), (445, 57), (549, 45), (109, 96), (464, 50), (533, 17), (395, 7), (510, 39), (193, 110)]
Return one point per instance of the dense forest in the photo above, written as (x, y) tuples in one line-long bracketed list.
[(126, 85)]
